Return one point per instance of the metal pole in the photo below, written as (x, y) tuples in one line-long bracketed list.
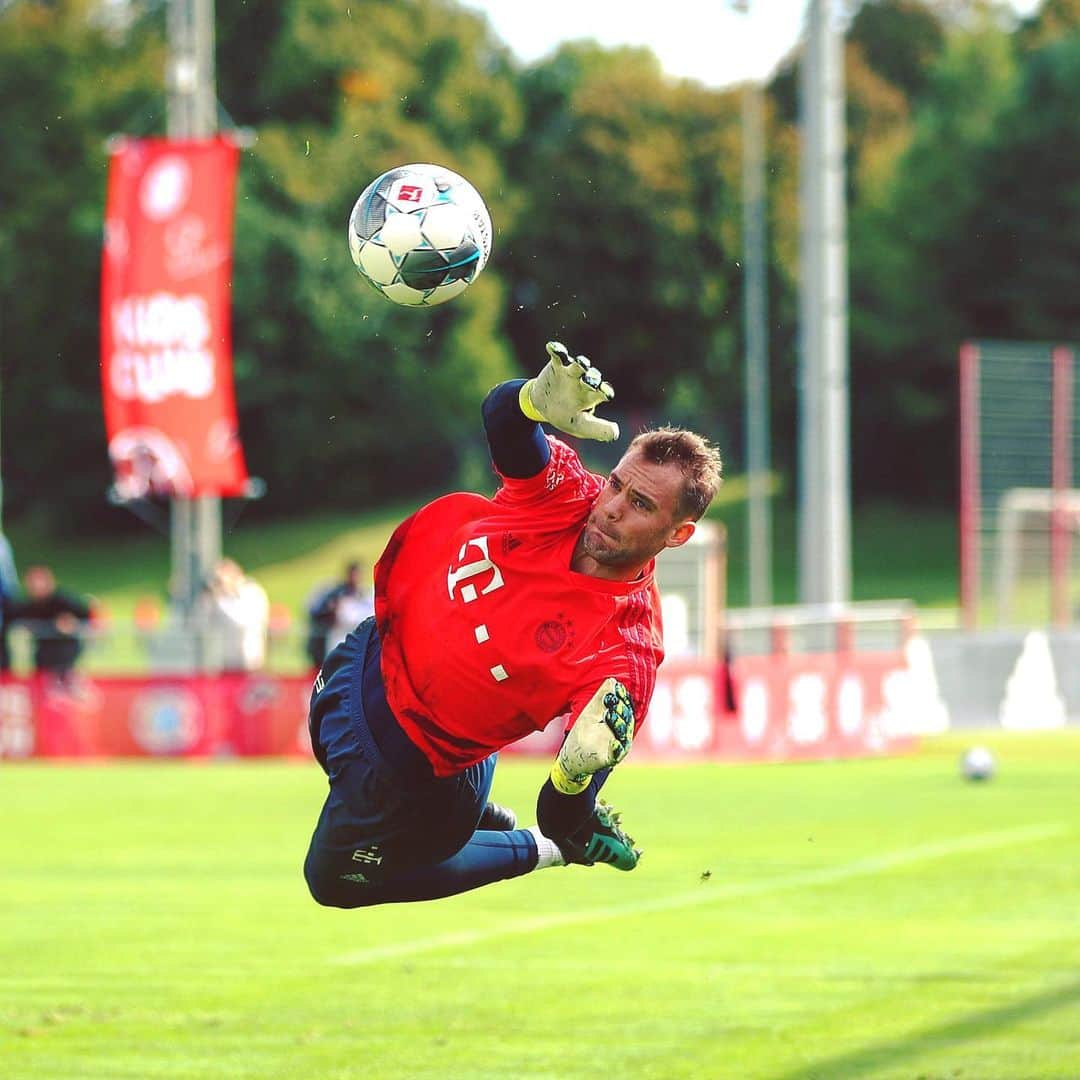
[(192, 113), (824, 468), (1061, 440), (810, 300), (755, 308), (970, 496)]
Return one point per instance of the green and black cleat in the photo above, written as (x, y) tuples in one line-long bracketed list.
[(601, 839)]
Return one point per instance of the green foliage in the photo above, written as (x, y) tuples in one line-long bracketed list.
[(629, 239), (66, 83), (913, 254), (343, 398), (1020, 275), (901, 40), (1054, 19), (615, 193)]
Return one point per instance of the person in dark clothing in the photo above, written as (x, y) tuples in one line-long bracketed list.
[(336, 610), (9, 589), (55, 619)]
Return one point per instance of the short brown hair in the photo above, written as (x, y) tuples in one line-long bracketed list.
[(697, 459)]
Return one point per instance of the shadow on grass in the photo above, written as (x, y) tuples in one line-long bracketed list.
[(861, 1063)]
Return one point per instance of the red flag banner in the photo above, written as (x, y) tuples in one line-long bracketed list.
[(166, 348)]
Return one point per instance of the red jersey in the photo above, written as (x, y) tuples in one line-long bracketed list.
[(488, 634)]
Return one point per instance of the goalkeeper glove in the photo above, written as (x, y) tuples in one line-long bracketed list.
[(600, 738), (565, 394)]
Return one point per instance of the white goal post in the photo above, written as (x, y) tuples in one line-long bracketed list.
[(1034, 531)]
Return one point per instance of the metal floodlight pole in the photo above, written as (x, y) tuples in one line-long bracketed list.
[(756, 340), (755, 314), (192, 113), (824, 466)]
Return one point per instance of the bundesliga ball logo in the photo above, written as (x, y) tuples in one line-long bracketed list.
[(420, 234)]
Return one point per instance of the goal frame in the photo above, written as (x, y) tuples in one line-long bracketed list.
[(1062, 359)]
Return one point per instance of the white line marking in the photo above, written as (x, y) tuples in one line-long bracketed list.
[(710, 894)]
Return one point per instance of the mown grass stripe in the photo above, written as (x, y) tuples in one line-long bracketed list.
[(825, 875)]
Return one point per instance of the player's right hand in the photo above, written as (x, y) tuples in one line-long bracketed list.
[(600, 738), (565, 394)]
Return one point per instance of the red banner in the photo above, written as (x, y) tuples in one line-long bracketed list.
[(166, 349)]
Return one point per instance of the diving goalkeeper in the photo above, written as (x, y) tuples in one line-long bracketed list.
[(493, 618)]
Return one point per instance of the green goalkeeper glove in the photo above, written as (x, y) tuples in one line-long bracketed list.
[(565, 394), (600, 738)]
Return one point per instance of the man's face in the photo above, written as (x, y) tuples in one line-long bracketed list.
[(39, 582), (636, 514)]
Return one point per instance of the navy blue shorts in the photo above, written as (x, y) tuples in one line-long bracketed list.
[(386, 811)]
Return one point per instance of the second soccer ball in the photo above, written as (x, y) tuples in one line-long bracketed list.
[(420, 234), (977, 764)]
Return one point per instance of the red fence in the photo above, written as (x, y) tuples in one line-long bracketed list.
[(789, 706)]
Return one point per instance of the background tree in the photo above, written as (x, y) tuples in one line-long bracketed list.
[(628, 240), (67, 80), (332, 380), (1025, 229), (615, 193), (910, 274)]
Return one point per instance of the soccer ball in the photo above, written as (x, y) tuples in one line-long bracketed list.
[(420, 234), (977, 764)]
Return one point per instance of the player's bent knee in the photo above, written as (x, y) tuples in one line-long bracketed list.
[(330, 890), (317, 885)]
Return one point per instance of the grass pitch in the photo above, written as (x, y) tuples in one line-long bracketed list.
[(877, 919)]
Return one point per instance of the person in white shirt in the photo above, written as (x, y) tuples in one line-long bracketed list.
[(238, 616)]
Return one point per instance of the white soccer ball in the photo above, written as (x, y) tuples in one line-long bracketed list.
[(977, 763), (420, 234)]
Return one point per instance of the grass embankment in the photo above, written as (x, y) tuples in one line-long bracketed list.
[(897, 554)]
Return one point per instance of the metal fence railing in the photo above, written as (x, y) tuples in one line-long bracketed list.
[(879, 625)]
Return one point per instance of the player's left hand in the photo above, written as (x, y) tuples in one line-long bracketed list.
[(565, 394)]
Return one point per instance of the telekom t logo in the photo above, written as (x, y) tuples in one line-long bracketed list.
[(410, 193), (472, 569)]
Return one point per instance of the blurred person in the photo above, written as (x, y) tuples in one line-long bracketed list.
[(56, 620), (335, 611), (9, 593), (493, 617), (237, 613)]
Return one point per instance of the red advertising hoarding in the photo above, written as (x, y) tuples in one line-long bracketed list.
[(789, 708), (166, 349)]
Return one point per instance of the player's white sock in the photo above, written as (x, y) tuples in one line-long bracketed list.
[(547, 851)]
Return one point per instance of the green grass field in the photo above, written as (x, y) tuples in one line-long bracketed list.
[(842, 921)]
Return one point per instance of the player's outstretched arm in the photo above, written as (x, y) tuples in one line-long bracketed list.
[(566, 393), (517, 444)]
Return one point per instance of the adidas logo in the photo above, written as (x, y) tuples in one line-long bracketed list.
[(603, 850)]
